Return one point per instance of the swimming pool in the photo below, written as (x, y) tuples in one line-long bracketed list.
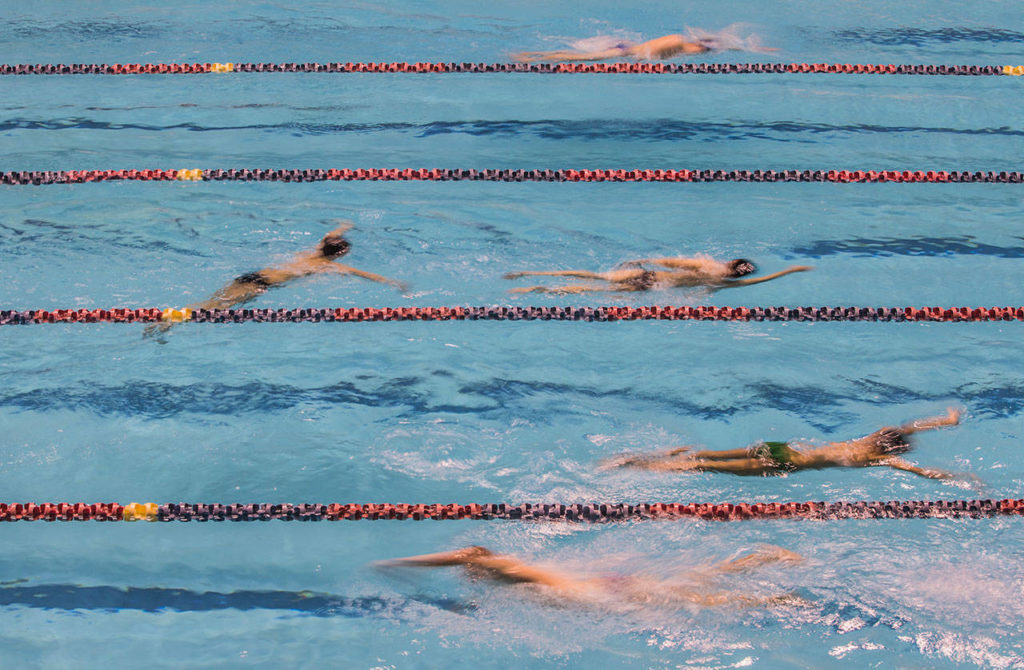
[(501, 411)]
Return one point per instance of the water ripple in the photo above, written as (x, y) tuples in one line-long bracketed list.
[(650, 130), (922, 36), (912, 246), (91, 29), (18, 239), (820, 406), (157, 599)]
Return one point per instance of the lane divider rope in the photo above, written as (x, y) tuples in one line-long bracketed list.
[(40, 177), (824, 511), (532, 68), (510, 313)]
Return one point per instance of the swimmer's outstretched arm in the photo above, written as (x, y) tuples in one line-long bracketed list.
[(566, 55), (765, 555), (930, 473), (498, 567), (732, 283), (462, 556), (679, 263), (349, 270), (344, 226), (951, 418)]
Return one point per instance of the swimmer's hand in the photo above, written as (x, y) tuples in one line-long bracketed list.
[(966, 480), (542, 56), (953, 416), (801, 268), (402, 286), (157, 330), (514, 275), (344, 225)]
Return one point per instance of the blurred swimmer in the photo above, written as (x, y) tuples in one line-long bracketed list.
[(695, 41), (682, 272), (775, 458), (252, 284), (569, 587)]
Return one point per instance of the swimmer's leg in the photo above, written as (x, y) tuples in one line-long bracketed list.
[(722, 455), (582, 274), (641, 460), (582, 288), (736, 466), (740, 466)]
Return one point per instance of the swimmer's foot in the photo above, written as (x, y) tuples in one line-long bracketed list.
[(625, 461), (790, 599), (771, 553)]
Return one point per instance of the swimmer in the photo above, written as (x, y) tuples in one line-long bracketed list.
[(775, 458), (680, 273), (664, 47), (322, 259), (253, 284), (570, 587)]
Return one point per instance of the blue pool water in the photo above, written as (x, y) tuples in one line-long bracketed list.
[(439, 412)]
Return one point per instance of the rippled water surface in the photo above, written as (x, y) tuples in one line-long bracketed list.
[(518, 411)]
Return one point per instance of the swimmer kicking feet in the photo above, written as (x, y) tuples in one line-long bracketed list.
[(775, 458), (253, 284), (566, 587), (680, 272), (666, 46)]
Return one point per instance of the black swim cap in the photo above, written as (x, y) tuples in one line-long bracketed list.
[(892, 441), (333, 246), (741, 266)]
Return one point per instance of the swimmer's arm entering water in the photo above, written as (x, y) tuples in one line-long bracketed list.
[(496, 566), (733, 283), (564, 55), (951, 418), (344, 225), (349, 270), (930, 473), (674, 263)]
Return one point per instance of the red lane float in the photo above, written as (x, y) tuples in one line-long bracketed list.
[(42, 177), (821, 511), (530, 68), (510, 313)]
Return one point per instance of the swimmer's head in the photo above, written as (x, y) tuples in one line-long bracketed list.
[(334, 246), (892, 442), (741, 266), (709, 44)]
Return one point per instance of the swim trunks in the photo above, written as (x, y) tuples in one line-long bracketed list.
[(643, 281), (774, 455), (891, 441), (255, 278)]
